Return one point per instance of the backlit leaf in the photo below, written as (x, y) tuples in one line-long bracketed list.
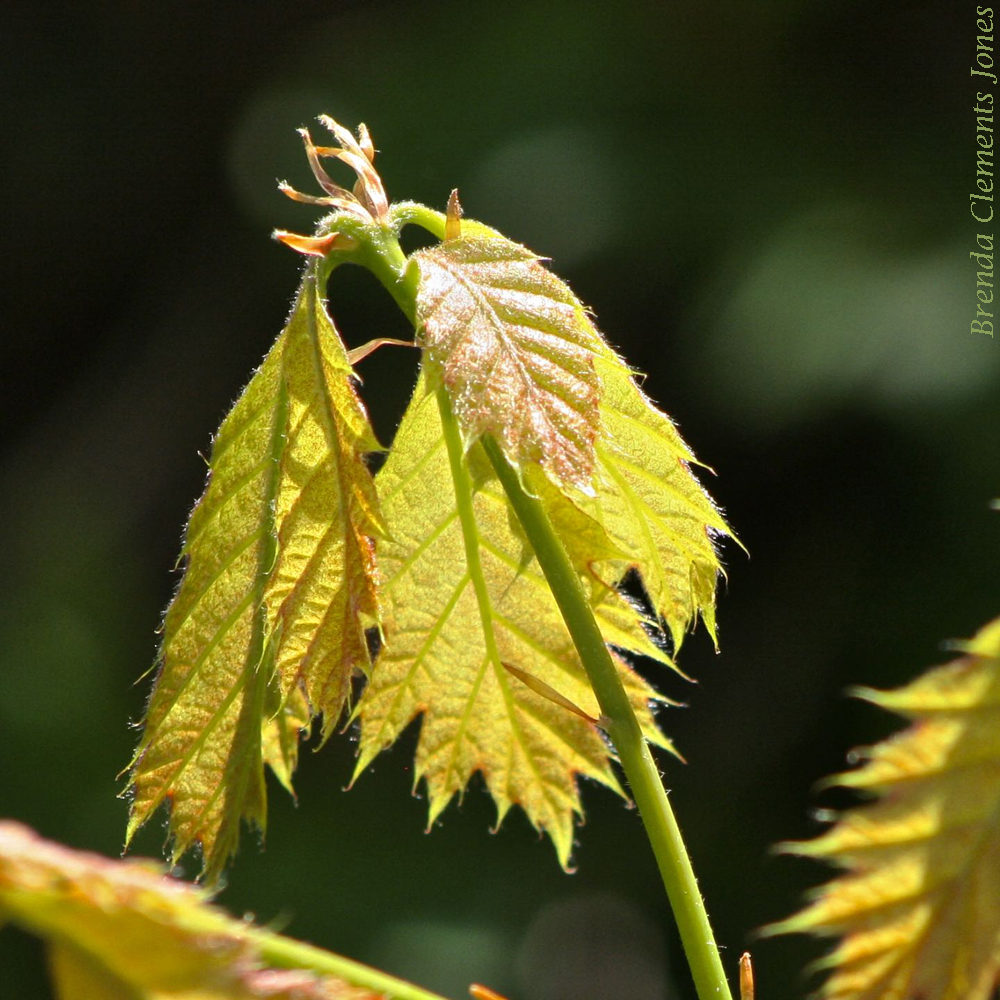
[(268, 625), (521, 360), (515, 349), (321, 592), (459, 607), (651, 505), (919, 908), (283, 725), (123, 930)]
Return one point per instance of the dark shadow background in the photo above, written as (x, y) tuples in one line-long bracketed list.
[(765, 204)]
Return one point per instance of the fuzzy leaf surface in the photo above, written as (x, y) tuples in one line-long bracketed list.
[(461, 602), (516, 352), (521, 360), (267, 626), (919, 908), (651, 505), (123, 930)]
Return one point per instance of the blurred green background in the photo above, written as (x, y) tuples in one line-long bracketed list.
[(765, 204)]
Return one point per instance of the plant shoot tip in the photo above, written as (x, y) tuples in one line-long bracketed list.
[(453, 217)]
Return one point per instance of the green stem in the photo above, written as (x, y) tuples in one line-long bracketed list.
[(384, 257), (378, 250), (285, 953), (467, 518), (623, 728), (406, 212)]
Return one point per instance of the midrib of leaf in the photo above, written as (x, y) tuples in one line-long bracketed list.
[(323, 390), (467, 518), (470, 537), (320, 591)]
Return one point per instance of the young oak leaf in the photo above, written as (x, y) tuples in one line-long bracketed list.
[(267, 626), (651, 505), (122, 930), (919, 908), (515, 349), (321, 592), (464, 600), (521, 360)]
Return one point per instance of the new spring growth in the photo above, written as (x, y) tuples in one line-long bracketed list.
[(366, 201)]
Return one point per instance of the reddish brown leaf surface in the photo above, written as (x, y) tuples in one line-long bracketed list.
[(516, 351)]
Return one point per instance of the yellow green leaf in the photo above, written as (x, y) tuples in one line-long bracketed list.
[(77, 976), (522, 361), (284, 722), (651, 505), (515, 349), (464, 597), (919, 908), (268, 625), (123, 930), (321, 592)]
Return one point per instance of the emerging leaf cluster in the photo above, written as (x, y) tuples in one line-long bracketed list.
[(295, 555), (919, 906)]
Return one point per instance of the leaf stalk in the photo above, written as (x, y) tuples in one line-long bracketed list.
[(385, 258), (623, 728), (285, 953)]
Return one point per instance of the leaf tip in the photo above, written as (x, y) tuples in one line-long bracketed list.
[(746, 977), (453, 217), (314, 246)]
